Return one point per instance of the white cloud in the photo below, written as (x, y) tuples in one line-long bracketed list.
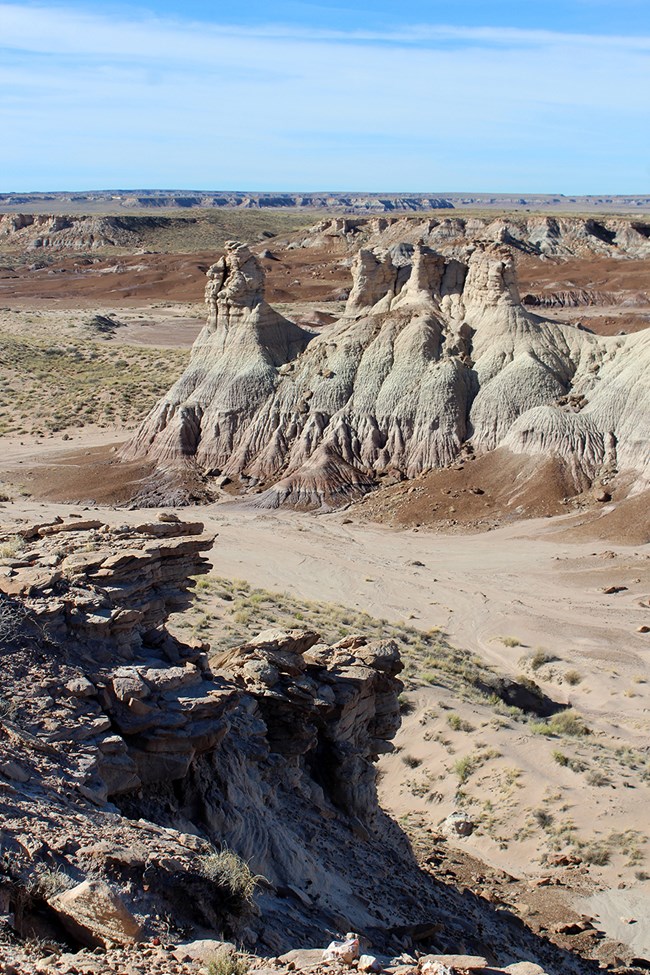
[(277, 107)]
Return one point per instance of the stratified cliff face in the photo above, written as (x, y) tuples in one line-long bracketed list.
[(245, 750), (548, 236), (431, 352)]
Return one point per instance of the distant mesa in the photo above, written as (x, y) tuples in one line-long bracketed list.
[(345, 202), (158, 199)]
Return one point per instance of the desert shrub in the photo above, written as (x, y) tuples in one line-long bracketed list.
[(564, 723), (575, 764), (568, 723), (596, 777), (47, 882), (573, 677), (411, 761), (543, 818), (539, 658), (463, 767), (596, 854), (510, 641), (456, 723), (406, 706), (11, 546), (8, 709), (228, 870), (12, 619), (228, 961)]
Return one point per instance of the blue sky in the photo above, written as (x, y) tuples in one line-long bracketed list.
[(489, 95)]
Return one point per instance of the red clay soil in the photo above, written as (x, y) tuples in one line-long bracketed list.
[(624, 287), (310, 274), (87, 475), (307, 274), (84, 283), (478, 495), (626, 522), (475, 495), (589, 273), (297, 275)]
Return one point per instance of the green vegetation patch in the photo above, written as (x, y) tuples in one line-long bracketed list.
[(48, 387)]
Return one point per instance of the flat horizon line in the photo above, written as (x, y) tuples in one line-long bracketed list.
[(322, 192)]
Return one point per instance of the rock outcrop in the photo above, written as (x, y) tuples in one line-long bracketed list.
[(545, 236), (62, 233), (234, 368), (432, 352), (230, 749), (148, 704), (133, 765)]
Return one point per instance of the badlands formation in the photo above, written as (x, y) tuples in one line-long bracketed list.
[(436, 744), (433, 359)]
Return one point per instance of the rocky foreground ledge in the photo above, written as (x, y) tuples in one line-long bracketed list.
[(156, 799)]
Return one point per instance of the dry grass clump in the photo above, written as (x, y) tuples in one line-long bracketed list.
[(538, 658), (468, 764), (596, 854), (228, 961), (456, 723), (596, 777), (463, 767), (8, 709), (573, 677), (543, 818), (11, 546), (47, 882), (13, 617), (567, 762), (510, 641), (411, 761), (564, 723), (228, 870)]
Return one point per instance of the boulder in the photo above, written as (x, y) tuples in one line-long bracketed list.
[(458, 824), (203, 950), (430, 964), (95, 915)]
